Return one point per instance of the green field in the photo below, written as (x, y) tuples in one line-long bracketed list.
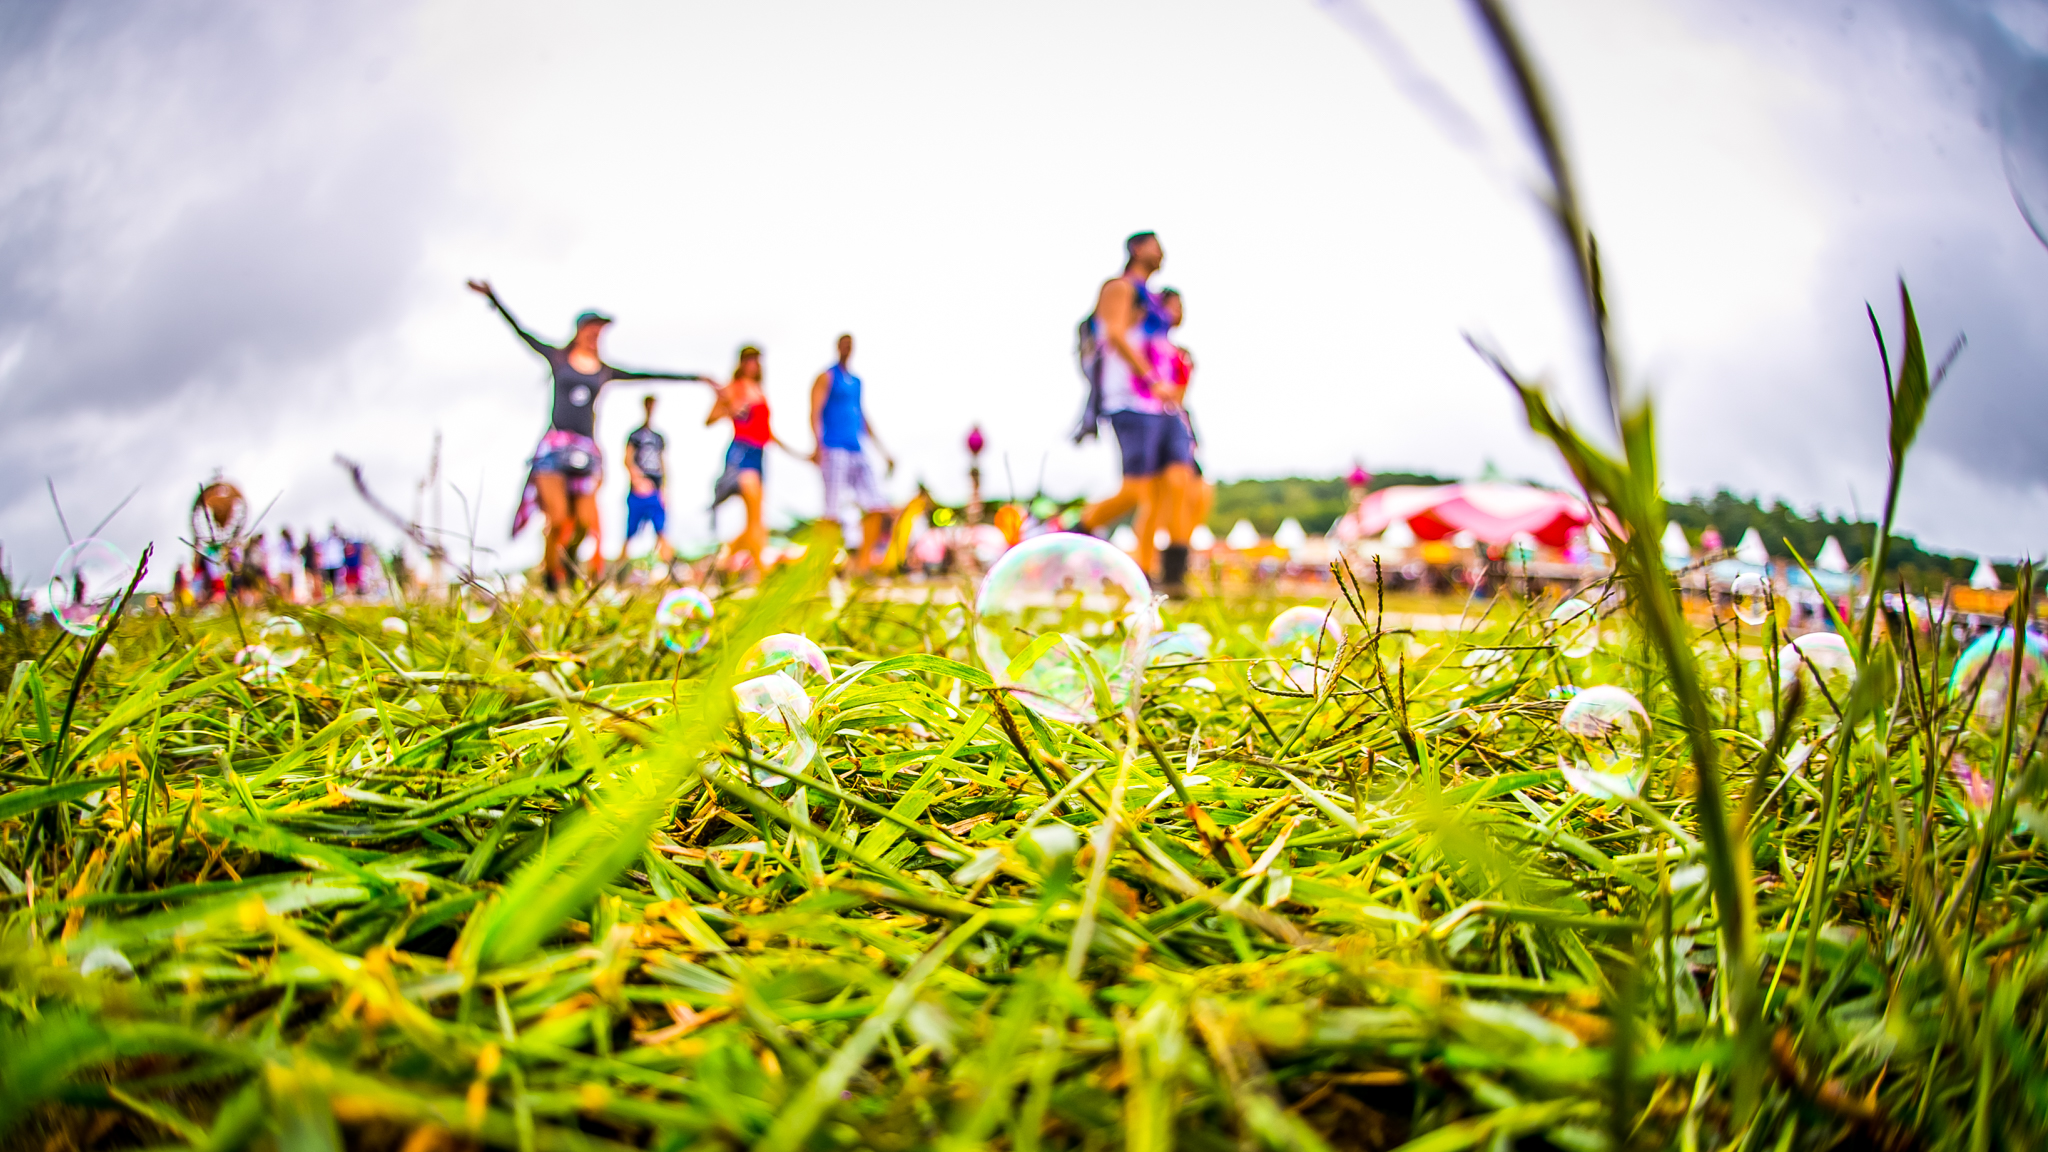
[(507, 882)]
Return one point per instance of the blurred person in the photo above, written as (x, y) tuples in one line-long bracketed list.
[(309, 564), (646, 470), (745, 403), (838, 421), (1175, 366), (1129, 319), (284, 566), (567, 467), (352, 566), (332, 556)]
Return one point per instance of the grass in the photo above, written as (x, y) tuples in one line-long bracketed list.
[(518, 883), (505, 883)]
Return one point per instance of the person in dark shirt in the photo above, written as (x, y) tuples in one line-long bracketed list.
[(567, 468), (646, 468)]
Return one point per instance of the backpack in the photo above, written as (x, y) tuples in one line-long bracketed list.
[(1088, 353)]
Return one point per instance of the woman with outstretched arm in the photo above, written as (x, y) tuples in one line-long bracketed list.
[(567, 468)]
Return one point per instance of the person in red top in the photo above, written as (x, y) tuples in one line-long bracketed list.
[(745, 403)]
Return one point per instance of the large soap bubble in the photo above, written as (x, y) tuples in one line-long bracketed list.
[(683, 620), (1051, 604), (84, 583), (774, 710), (1613, 729), (1305, 640), (789, 653), (1989, 659)]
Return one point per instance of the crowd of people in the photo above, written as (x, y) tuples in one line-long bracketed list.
[(303, 569), (1138, 379)]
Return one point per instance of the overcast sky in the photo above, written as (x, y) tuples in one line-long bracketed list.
[(234, 235)]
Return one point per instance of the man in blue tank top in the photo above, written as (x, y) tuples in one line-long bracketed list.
[(839, 421)]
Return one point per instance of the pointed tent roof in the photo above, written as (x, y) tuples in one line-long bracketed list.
[(1831, 558), (1677, 549), (1751, 549), (1985, 578), (1290, 535), (1201, 539), (1490, 511), (1242, 536)]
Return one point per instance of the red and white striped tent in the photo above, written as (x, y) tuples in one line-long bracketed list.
[(1493, 513)]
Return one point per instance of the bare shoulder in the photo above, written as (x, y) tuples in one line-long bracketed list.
[(1116, 288)]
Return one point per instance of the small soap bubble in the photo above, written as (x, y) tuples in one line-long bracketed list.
[(286, 640), (1185, 643), (395, 626), (1050, 605), (85, 583), (1575, 628), (789, 653), (1610, 724), (776, 709), (477, 605), (257, 664), (1988, 660), (1056, 841), (683, 620), (1306, 639), (1752, 596)]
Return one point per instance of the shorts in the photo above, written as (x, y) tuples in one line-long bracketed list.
[(1150, 441), (645, 510), (847, 474), (743, 457), (572, 456)]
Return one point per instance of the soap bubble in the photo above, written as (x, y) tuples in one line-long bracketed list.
[(395, 626), (776, 708), (1610, 724), (788, 653), (1575, 628), (1036, 605), (477, 605), (1187, 642), (1824, 654), (285, 638), (1308, 640), (1989, 659), (683, 620), (1752, 596), (257, 664), (85, 582)]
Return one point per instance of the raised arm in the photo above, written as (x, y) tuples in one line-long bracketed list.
[(483, 288), (624, 374), (719, 408)]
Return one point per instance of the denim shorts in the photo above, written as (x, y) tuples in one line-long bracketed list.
[(1150, 441), (743, 457)]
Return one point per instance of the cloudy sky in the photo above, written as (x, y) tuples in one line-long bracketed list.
[(233, 236)]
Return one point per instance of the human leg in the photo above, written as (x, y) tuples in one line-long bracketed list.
[(557, 523), (754, 537), (1138, 449), (590, 526)]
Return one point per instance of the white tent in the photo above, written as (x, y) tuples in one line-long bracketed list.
[(1243, 536), (1201, 539), (1124, 538), (1985, 578), (1398, 535), (1677, 549), (1290, 535), (1831, 558), (1751, 549)]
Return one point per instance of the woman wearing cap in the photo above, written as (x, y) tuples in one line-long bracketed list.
[(746, 405), (567, 467)]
